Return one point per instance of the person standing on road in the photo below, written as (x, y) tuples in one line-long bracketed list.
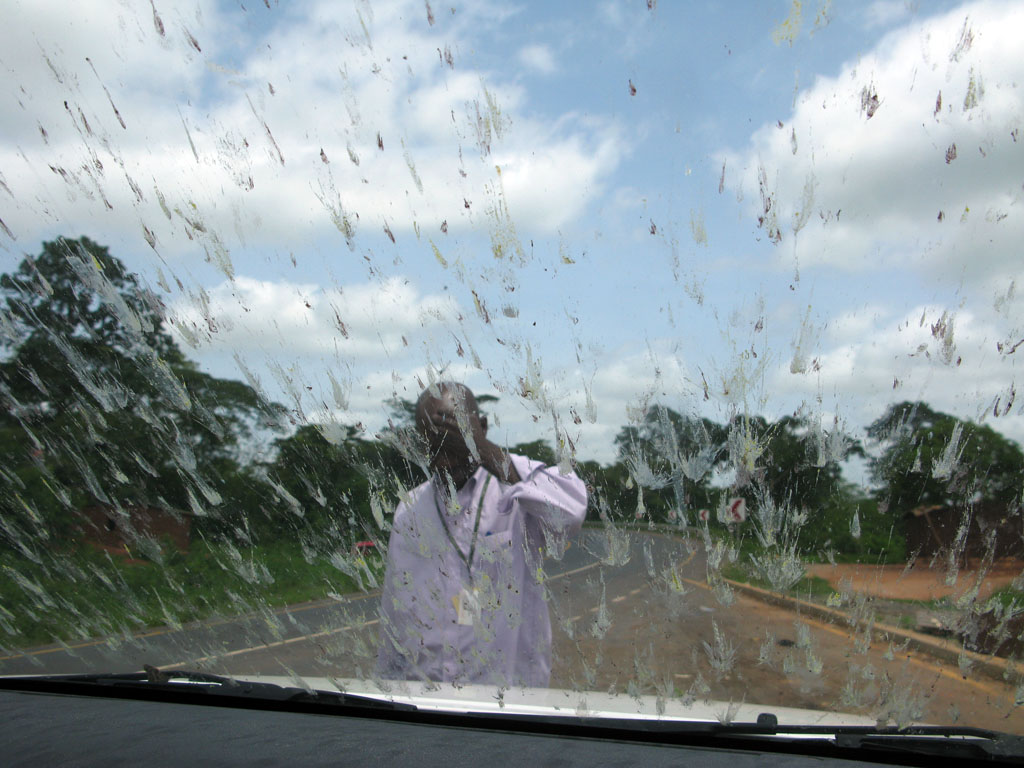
[(461, 599)]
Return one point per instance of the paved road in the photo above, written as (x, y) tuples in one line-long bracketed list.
[(632, 613), (661, 629), (269, 641)]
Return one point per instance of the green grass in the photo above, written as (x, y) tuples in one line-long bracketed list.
[(1005, 597), (86, 594), (854, 558), (905, 621), (1008, 596), (807, 588), (814, 587), (933, 604)]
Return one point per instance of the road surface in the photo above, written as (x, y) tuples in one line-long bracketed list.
[(632, 613)]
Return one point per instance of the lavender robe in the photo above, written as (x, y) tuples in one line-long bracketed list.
[(509, 642)]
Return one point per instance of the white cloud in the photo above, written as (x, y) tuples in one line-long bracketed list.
[(949, 358), (355, 323), (232, 136), (863, 174), (589, 403), (333, 355), (885, 13), (537, 58), (612, 15), (586, 405), (570, 171)]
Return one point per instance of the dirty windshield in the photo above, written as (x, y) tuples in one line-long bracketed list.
[(658, 357)]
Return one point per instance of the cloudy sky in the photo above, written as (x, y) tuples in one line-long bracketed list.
[(809, 207)]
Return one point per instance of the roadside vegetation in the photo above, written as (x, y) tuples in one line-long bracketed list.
[(813, 588), (89, 594)]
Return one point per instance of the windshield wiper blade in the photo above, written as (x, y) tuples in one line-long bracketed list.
[(192, 681), (910, 743), (972, 743), (950, 741)]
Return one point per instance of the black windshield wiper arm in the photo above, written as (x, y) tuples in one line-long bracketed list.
[(972, 743), (901, 744), (948, 741), (191, 681)]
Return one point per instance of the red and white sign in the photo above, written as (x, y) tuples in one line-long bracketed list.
[(736, 512), (733, 512)]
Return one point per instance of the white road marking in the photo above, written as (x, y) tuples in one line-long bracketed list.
[(276, 644), (315, 635), (574, 571), (278, 612), (594, 609), (618, 599), (294, 610)]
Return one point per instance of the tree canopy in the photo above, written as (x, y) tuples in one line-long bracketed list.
[(932, 458), (101, 405)]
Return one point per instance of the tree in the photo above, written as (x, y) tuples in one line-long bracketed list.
[(401, 413), (789, 472), (802, 462), (672, 458), (538, 450), (101, 406), (334, 492), (932, 458)]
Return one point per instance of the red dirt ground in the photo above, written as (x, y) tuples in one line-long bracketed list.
[(919, 582)]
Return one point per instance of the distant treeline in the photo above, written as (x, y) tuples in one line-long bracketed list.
[(102, 407)]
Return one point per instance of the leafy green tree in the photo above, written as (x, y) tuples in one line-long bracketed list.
[(672, 458), (402, 413), (316, 487), (335, 492), (790, 472), (928, 457), (612, 491), (802, 465), (851, 526), (101, 406), (538, 450)]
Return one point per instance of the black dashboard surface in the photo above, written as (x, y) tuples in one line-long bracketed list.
[(49, 729)]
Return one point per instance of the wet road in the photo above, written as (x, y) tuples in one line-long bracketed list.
[(632, 613)]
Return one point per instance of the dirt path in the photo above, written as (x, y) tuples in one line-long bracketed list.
[(920, 582)]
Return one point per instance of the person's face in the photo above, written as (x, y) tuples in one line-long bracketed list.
[(442, 421)]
